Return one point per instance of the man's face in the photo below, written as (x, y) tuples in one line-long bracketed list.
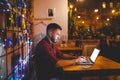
[(55, 35)]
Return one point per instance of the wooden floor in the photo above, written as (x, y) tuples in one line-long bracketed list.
[(117, 77), (32, 76)]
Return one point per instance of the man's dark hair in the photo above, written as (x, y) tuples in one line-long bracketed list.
[(53, 26)]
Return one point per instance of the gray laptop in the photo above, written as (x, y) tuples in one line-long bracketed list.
[(92, 58)]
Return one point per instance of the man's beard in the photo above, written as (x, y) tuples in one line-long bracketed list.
[(53, 39)]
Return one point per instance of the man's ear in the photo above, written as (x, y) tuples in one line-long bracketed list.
[(50, 33)]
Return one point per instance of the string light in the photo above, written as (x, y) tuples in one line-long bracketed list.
[(22, 64), (71, 6), (2, 62)]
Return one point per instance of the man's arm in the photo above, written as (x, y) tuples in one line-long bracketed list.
[(65, 55), (62, 63), (69, 56)]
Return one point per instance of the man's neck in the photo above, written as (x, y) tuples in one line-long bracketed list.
[(50, 40)]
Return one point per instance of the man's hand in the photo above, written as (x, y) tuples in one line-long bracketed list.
[(80, 59)]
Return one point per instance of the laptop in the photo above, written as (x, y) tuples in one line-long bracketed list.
[(92, 58)]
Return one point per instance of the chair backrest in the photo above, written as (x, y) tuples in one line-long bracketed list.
[(88, 46), (88, 49), (90, 41)]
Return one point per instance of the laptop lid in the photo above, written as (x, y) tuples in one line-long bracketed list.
[(94, 54)]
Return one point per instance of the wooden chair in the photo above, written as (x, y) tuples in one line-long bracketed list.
[(88, 47)]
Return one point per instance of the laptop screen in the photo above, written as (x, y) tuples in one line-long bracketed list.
[(94, 54)]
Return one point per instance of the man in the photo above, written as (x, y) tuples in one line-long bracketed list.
[(48, 59)]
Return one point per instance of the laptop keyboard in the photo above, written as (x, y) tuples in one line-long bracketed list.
[(86, 61)]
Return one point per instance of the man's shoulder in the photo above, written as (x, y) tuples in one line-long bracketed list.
[(42, 42), (45, 41)]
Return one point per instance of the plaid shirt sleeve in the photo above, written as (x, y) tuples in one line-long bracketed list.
[(51, 51)]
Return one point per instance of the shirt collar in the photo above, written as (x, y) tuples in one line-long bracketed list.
[(48, 40)]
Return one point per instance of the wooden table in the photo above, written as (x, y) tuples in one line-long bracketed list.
[(69, 48), (103, 66)]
